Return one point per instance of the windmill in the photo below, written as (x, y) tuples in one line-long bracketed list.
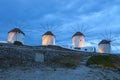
[(16, 35), (107, 42), (79, 38), (48, 36), (80, 34)]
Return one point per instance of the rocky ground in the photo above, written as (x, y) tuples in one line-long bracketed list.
[(47, 73), (69, 66)]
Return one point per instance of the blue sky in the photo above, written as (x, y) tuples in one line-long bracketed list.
[(98, 16)]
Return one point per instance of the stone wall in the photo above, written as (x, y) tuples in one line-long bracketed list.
[(29, 52), (25, 54)]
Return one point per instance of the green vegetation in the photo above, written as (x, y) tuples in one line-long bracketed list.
[(111, 61), (67, 61), (18, 43)]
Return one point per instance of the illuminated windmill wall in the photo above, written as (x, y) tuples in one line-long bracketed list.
[(16, 35), (108, 42), (49, 32), (104, 46), (48, 38), (80, 32), (78, 40)]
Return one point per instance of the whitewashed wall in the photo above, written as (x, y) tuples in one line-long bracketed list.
[(14, 36), (104, 48), (11, 36), (88, 49), (48, 40), (78, 41)]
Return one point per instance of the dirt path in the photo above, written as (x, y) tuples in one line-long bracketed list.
[(47, 73)]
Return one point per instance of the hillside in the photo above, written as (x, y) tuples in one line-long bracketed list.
[(18, 63)]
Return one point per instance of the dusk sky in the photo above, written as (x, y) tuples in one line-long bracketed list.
[(64, 17)]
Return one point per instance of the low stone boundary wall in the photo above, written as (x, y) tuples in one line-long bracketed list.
[(17, 53), (29, 53)]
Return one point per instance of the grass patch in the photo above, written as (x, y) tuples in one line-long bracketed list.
[(67, 61), (111, 61)]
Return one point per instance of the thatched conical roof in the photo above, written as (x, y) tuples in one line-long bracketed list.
[(48, 33), (104, 42), (78, 34), (17, 30)]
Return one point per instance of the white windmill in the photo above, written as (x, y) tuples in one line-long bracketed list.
[(48, 37), (106, 44), (16, 35), (79, 38)]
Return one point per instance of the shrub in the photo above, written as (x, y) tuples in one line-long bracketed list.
[(18, 43), (111, 61)]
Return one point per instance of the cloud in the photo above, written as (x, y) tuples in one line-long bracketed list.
[(99, 15)]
